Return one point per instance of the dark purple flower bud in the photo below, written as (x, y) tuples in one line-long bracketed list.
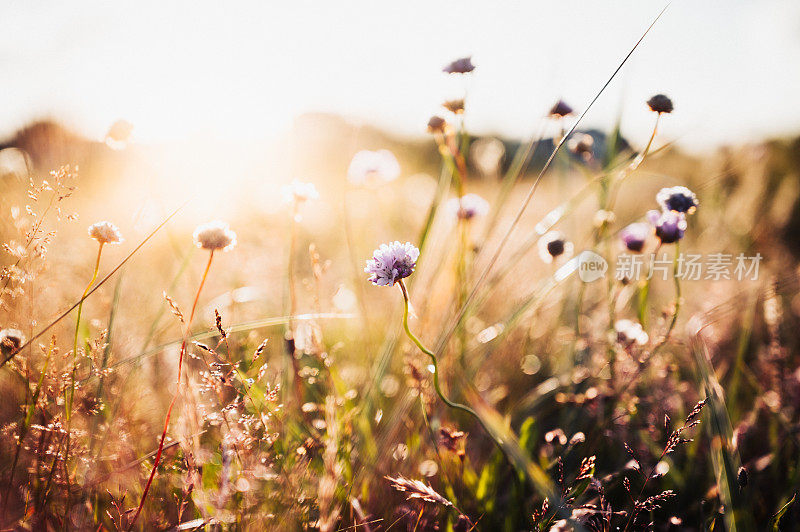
[(660, 104), (454, 106), (460, 66), (741, 477), (670, 225), (635, 236), (11, 340), (561, 109), (553, 245), (436, 124), (678, 199)]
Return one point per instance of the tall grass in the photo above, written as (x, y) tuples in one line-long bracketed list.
[(503, 392)]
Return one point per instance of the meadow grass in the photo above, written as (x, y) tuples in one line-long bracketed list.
[(470, 378)]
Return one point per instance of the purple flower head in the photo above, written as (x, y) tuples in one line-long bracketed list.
[(660, 103), (468, 206), (561, 109), (437, 124), (392, 262), (670, 225), (460, 66), (635, 236), (678, 199)]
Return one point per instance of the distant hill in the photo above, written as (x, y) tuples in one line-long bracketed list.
[(318, 141)]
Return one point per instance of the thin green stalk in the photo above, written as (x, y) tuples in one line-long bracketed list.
[(77, 331), (677, 281), (435, 362), (290, 345), (71, 397), (644, 292), (462, 279)]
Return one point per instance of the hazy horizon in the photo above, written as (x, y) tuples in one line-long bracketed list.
[(207, 71)]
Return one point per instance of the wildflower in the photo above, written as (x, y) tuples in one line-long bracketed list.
[(105, 233), (454, 106), (678, 199), (670, 225), (11, 340), (560, 109), (582, 146), (741, 477), (460, 66), (436, 124), (635, 236), (487, 155), (603, 218), (392, 262), (553, 245), (468, 206), (120, 131), (630, 332), (373, 167), (660, 104), (298, 192), (214, 235)]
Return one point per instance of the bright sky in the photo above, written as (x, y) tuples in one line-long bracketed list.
[(219, 70)]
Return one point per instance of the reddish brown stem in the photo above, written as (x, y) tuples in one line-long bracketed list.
[(174, 397)]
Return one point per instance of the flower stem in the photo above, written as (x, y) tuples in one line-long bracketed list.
[(434, 361), (291, 348), (640, 159), (69, 399), (186, 333), (677, 307)]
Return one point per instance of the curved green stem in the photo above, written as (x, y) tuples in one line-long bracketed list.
[(435, 362)]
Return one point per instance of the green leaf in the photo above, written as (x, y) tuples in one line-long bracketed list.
[(776, 519)]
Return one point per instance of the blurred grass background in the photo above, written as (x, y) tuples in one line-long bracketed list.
[(323, 465)]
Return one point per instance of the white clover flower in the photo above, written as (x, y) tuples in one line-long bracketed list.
[(214, 235), (553, 245), (105, 233), (373, 167), (298, 191), (630, 332), (467, 206)]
